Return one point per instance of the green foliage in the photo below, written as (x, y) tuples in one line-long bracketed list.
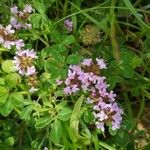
[(117, 31), (7, 66)]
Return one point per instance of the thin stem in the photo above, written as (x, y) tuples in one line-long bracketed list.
[(44, 138), (29, 135), (137, 3), (65, 8), (142, 105), (46, 43), (114, 42), (128, 104), (57, 8), (98, 8), (106, 146)]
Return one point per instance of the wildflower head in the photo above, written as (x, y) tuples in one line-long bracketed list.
[(87, 77), (68, 24), (19, 19), (8, 38), (23, 62), (90, 35)]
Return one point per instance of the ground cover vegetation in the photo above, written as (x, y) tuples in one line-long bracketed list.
[(74, 74)]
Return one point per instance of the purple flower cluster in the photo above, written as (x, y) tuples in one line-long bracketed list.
[(23, 62), (87, 78), (19, 18), (8, 38), (68, 24)]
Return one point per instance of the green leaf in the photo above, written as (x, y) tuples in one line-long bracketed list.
[(8, 66), (88, 116), (135, 62), (61, 105), (51, 65), (128, 124), (73, 59), (67, 40), (74, 121), (35, 20), (112, 132), (64, 114), (134, 12), (14, 100), (17, 99), (62, 73), (6, 109), (127, 71), (55, 55), (56, 132), (40, 7), (146, 55), (26, 112), (60, 47), (3, 95), (43, 122), (135, 91), (122, 138), (3, 49), (55, 36), (12, 79), (10, 141), (76, 112), (2, 81)]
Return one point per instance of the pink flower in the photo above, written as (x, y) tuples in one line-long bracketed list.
[(32, 90), (101, 63), (23, 62), (87, 62), (8, 30), (67, 90), (27, 9), (84, 77), (31, 53), (68, 25), (30, 70), (14, 10), (8, 44), (15, 20), (59, 82), (100, 125), (19, 44)]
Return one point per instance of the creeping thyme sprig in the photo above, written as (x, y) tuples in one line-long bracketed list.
[(87, 78)]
